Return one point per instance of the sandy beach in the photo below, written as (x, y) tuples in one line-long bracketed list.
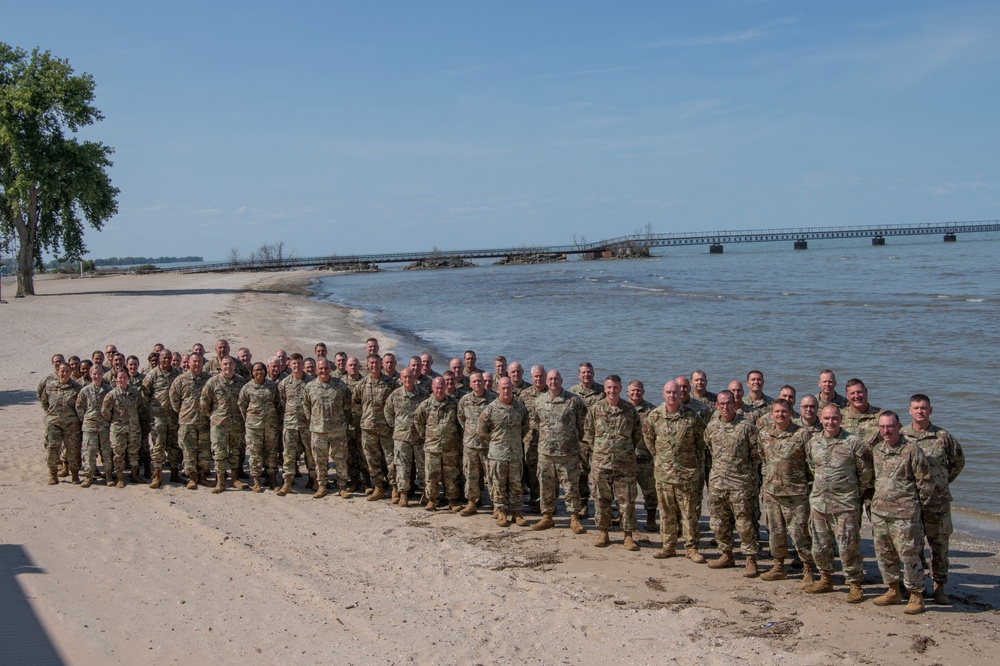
[(99, 575)]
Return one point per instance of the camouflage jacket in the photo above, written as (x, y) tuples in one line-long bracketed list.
[(903, 481), (527, 398), (943, 454), (371, 394), (89, 402), (436, 424), (677, 443), (399, 410), (735, 454), (469, 408), (185, 399), (559, 421), (783, 456), (214, 367), (841, 467), (290, 394), (328, 406), (863, 424), (611, 434), (642, 452), (588, 395), (121, 408), (838, 400), (259, 404), (156, 390), (811, 429), (220, 400), (59, 402), (503, 428)]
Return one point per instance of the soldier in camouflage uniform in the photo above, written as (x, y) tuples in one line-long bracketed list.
[(785, 490), (62, 425), (355, 453), (327, 401), (611, 432), (808, 418), (295, 425), (260, 405), (214, 366), (699, 388), (590, 392), (62, 468), (220, 400), (192, 423), (436, 424), (399, 410), (644, 470), (732, 486), (828, 391), (527, 396), (903, 483), (156, 391), (675, 436), (339, 366), (474, 461), (135, 379), (121, 409), (558, 416), (503, 424), (700, 408), (376, 435), (946, 459), (516, 373), (841, 466), (96, 429), (859, 417)]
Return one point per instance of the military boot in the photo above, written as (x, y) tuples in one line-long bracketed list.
[(285, 488), (175, 475), (777, 571), (574, 524), (602, 539), (147, 469), (750, 570), (109, 478), (133, 474), (807, 575), (824, 584), (585, 509), (63, 470), (693, 555), (403, 501), (545, 523), (469, 510), (856, 595), (157, 479), (891, 596), (320, 492), (220, 482), (502, 519), (192, 483), (75, 476), (723, 561), (916, 604), (651, 522), (272, 479), (629, 543), (454, 506), (203, 478), (939, 595), (394, 497), (87, 481), (520, 520), (667, 551), (378, 493), (431, 505), (255, 485), (237, 484), (120, 475), (53, 478)]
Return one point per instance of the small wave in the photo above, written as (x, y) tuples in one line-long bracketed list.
[(638, 288), (943, 296), (974, 300)]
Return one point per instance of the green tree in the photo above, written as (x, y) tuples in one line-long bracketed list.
[(50, 182)]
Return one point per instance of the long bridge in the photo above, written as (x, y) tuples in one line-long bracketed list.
[(622, 246)]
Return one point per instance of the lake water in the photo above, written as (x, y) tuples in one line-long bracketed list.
[(915, 316)]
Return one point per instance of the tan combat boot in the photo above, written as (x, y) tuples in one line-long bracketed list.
[(454, 506), (404, 498), (916, 604), (378, 493), (431, 505), (220, 482), (824, 584), (192, 483), (603, 539), (75, 476), (133, 474), (723, 561), (629, 542), (286, 487), (109, 478), (520, 520), (777, 571), (175, 475), (856, 595), (750, 570), (320, 492), (693, 555), (939, 594), (395, 496), (237, 484), (574, 524), (157, 479), (469, 510), (272, 480), (502, 519), (87, 481), (891, 596), (63, 470), (120, 475), (666, 552), (545, 523), (53, 478), (807, 575), (255, 485)]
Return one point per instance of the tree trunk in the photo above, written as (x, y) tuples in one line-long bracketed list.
[(26, 232)]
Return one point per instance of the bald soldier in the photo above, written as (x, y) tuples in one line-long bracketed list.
[(474, 448), (399, 410), (371, 392), (192, 423), (503, 425), (220, 401), (436, 426)]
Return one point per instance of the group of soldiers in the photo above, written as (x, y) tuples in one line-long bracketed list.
[(444, 438)]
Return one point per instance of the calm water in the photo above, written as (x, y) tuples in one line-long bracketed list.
[(917, 315)]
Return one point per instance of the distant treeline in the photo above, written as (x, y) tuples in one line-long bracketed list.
[(127, 261)]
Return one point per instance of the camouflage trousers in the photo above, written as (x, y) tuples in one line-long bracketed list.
[(262, 449), (556, 471), (898, 543), (443, 467), (402, 453), (530, 472), (327, 446), (379, 455), (787, 516), (684, 500), (844, 529), (197, 447), (356, 464), (584, 476), (63, 438), (477, 474), (938, 528), (145, 451), (504, 481), (297, 443), (165, 448), (96, 442), (728, 509), (616, 485), (647, 486), (125, 447), (227, 445)]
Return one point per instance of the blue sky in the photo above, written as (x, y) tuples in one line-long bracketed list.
[(360, 127)]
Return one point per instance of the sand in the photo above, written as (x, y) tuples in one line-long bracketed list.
[(101, 575)]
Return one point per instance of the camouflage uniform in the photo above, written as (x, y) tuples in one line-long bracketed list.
[(503, 428), (436, 425), (329, 409), (356, 462), (376, 434), (220, 400), (863, 424), (811, 429), (62, 425), (214, 367), (644, 468), (474, 463), (677, 442), (399, 410), (762, 404), (946, 459), (903, 482), (842, 470), (559, 422), (156, 390), (295, 426), (145, 418), (732, 486), (96, 429), (785, 490), (121, 409), (192, 424), (611, 434), (838, 400), (530, 471), (589, 396), (260, 405)]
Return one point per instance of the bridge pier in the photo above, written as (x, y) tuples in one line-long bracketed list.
[(950, 238), (801, 244), (878, 240), (715, 248)]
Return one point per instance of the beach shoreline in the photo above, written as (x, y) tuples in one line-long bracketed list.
[(114, 576)]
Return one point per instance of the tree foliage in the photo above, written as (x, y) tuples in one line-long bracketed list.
[(50, 182)]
